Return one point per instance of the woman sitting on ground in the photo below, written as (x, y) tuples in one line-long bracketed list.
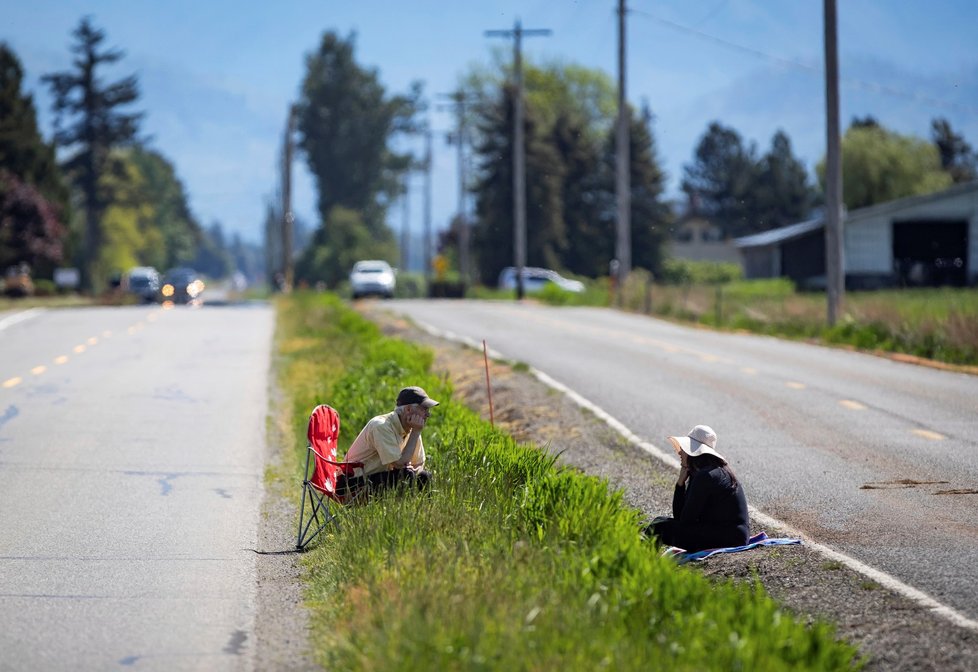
[(709, 507)]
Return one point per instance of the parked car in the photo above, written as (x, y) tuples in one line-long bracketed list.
[(535, 279), (144, 282), (182, 285), (17, 281), (372, 278)]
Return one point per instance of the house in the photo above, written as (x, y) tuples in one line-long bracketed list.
[(927, 240), (695, 238)]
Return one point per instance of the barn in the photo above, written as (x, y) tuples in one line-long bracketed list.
[(928, 240)]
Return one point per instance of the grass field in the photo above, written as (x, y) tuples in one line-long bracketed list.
[(939, 324), (508, 562)]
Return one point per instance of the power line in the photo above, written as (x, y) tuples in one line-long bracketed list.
[(872, 87)]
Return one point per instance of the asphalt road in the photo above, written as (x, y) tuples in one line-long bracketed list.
[(131, 474), (875, 458)]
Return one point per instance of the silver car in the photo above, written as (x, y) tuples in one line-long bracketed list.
[(535, 279), (372, 278)]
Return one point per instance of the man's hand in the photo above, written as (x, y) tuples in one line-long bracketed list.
[(414, 418)]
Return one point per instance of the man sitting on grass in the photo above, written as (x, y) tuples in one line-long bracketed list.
[(389, 445)]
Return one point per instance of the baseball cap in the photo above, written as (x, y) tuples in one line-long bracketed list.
[(415, 395)]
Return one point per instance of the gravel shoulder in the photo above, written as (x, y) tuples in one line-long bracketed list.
[(893, 632)]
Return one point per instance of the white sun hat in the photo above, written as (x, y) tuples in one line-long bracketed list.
[(701, 440)]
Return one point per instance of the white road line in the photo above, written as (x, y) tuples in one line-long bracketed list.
[(11, 320), (879, 576)]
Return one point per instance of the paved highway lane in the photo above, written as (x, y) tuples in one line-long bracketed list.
[(876, 458), (131, 464)]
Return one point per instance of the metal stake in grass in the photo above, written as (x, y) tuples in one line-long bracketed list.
[(485, 357)]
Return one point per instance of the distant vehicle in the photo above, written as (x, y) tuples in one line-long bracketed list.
[(182, 285), (372, 278), (144, 282), (17, 281), (535, 279)]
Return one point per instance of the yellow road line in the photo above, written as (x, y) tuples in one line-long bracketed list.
[(12, 381), (106, 334), (93, 341), (151, 317), (61, 359), (927, 434), (852, 405), (79, 349), (795, 386), (749, 371), (38, 370)]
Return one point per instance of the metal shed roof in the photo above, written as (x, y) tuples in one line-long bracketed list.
[(780, 235)]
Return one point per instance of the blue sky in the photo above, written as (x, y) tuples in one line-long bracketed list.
[(217, 76)]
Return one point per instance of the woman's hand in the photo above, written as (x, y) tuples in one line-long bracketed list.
[(683, 470)]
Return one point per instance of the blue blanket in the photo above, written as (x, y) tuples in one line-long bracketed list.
[(759, 539)]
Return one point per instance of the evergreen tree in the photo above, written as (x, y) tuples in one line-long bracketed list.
[(782, 194), (95, 125), (721, 178), (23, 153), (546, 238), (957, 157), (650, 214), (590, 243)]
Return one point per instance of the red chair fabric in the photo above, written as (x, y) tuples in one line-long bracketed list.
[(323, 434)]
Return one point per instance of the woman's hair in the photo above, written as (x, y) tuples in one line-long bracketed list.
[(706, 462)]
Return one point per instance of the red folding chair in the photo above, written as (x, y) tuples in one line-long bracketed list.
[(320, 490)]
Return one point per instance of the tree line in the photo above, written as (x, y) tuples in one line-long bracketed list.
[(349, 124), (112, 202)]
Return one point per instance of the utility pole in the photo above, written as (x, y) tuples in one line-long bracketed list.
[(426, 257), (459, 101), (834, 252), (623, 243), (519, 159), (288, 269), (405, 220)]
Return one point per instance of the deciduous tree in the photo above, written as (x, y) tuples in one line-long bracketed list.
[(879, 165), (347, 121), (29, 228)]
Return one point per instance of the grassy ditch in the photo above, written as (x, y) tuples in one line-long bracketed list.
[(508, 562)]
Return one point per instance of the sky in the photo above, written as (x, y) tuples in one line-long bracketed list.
[(217, 76)]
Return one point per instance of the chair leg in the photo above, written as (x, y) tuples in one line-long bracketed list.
[(319, 514)]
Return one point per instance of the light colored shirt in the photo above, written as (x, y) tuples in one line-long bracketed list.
[(380, 443)]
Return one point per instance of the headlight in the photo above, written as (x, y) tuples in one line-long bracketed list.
[(167, 290)]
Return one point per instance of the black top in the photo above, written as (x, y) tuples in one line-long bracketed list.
[(710, 513)]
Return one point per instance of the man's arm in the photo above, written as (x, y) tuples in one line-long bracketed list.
[(410, 448)]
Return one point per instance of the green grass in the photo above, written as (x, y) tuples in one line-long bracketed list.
[(57, 301), (508, 562)]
